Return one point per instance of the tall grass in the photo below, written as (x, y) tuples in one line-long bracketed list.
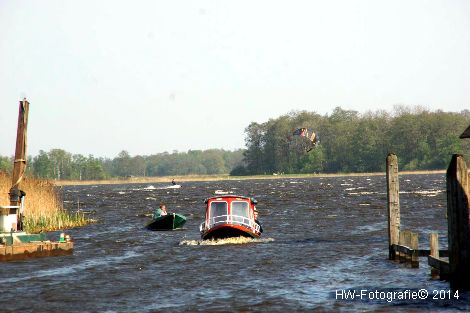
[(43, 207)]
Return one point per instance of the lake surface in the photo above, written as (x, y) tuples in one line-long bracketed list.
[(322, 237)]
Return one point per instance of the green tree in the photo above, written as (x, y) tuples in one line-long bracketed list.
[(42, 165), (6, 164)]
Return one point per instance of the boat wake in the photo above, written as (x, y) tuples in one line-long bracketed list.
[(170, 187), (226, 241)]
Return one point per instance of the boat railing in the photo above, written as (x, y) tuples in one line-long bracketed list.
[(231, 219)]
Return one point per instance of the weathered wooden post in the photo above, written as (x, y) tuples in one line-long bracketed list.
[(393, 202), (400, 256), (458, 222), (414, 243), (19, 165), (434, 242)]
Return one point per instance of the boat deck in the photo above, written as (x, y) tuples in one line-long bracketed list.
[(34, 249)]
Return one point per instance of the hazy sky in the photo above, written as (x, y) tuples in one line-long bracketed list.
[(155, 76)]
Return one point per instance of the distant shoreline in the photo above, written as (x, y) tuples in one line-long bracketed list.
[(193, 178)]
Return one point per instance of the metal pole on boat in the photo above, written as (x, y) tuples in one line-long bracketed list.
[(19, 164)]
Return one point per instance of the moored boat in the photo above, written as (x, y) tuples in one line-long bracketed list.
[(230, 216), (167, 222)]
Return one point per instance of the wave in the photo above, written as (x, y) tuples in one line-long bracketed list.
[(73, 268)]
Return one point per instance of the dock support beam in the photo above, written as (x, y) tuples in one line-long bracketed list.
[(458, 222), (393, 201)]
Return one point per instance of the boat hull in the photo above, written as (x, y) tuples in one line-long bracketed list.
[(228, 231), (167, 222)]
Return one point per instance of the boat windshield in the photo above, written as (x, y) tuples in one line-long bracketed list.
[(218, 209), (240, 211)]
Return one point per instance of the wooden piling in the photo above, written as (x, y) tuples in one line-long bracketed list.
[(400, 256), (393, 203), (458, 222), (406, 243), (414, 243), (434, 243)]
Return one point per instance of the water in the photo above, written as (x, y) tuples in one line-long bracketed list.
[(321, 236)]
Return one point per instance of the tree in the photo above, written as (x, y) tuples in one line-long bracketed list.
[(42, 165), (6, 164)]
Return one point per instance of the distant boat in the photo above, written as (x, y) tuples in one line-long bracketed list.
[(230, 216), (167, 222)]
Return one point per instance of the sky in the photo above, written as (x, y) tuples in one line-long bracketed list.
[(155, 76)]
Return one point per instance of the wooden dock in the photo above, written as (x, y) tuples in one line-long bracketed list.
[(452, 264)]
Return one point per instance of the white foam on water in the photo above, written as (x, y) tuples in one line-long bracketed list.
[(354, 188), (226, 241), (425, 193), (170, 187), (222, 192), (151, 187), (363, 193)]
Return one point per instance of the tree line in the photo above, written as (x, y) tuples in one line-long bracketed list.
[(60, 164), (353, 142), (348, 142)]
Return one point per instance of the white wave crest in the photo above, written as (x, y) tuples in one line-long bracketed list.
[(226, 241)]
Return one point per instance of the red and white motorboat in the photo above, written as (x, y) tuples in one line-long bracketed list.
[(230, 216)]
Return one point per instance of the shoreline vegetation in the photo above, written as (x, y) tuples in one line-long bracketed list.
[(44, 209), (194, 178)]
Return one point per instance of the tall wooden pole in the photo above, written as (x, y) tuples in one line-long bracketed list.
[(393, 201), (19, 165), (458, 219)]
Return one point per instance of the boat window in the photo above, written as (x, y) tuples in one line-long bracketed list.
[(218, 209), (240, 211)]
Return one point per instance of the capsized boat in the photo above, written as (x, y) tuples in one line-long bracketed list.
[(167, 222), (230, 216)]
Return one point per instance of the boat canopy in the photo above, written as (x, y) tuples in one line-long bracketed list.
[(230, 209)]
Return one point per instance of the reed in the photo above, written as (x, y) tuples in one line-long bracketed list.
[(43, 206), (55, 221)]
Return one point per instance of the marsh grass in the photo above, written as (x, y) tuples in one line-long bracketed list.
[(58, 220), (43, 206)]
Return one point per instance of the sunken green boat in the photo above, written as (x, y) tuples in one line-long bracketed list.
[(167, 222)]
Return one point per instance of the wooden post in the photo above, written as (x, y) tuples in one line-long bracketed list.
[(400, 256), (19, 165), (458, 219), (434, 242), (414, 245), (406, 243), (393, 202)]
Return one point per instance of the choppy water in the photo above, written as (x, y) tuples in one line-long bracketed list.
[(321, 236)]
